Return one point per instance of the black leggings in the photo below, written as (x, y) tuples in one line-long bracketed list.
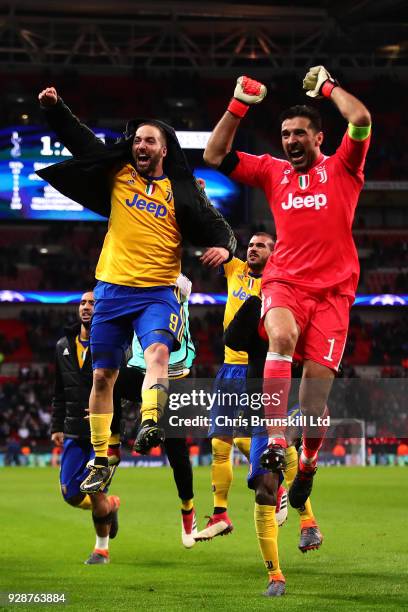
[(128, 386), (177, 453)]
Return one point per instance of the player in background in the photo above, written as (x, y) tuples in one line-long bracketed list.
[(243, 280), (309, 283), (129, 385), (70, 429), (242, 334), (145, 186)]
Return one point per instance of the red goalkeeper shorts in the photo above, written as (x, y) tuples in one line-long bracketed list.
[(322, 316)]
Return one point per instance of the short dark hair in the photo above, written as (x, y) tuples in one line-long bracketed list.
[(156, 125), (266, 235), (301, 110)]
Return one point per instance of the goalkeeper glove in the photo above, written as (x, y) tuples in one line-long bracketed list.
[(247, 92), (185, 285), (319, 83)]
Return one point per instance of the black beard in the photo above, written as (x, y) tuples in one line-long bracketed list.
[(257, 267), (86, 324), (149, 170), (146, 172)]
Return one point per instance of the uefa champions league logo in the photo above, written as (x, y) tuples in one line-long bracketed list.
[(388, 299), (11, 296), (202, 298)]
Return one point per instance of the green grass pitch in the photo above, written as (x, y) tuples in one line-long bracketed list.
[(362, 565)]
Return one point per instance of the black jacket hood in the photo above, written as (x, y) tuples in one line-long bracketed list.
[(175, 163)]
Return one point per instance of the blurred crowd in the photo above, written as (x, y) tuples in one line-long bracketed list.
[(34, 261), (377, 343), (25, 399)]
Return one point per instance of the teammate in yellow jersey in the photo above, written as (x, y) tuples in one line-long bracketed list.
[(243, 280), (144, 185)]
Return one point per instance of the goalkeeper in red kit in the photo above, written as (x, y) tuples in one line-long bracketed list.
[(310, 280)]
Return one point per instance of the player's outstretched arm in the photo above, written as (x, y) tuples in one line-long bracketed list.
[(215, 257), (318, 83), (76, 136), (242, 332), (247, 92), (204, 226), (352, 109)]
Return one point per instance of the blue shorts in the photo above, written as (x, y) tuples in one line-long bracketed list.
[(293, 411), (258, 445), (73, 470), (153, 313), (230, 379)]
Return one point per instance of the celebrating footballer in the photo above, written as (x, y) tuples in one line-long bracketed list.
[(310, 280)]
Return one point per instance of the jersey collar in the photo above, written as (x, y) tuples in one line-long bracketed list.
[(318, 161), (252, 273), (150, 179)]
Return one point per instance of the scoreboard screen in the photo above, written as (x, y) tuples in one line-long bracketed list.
[(24, 195)]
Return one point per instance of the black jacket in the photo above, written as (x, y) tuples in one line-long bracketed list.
[(72, 389), (242, 335), (85, 178)]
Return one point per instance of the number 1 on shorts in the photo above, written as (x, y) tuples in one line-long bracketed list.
[(329, 356)]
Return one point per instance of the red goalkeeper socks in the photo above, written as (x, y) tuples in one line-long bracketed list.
[(276, 387)]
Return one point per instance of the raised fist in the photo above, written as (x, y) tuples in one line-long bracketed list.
[(249, 91), (48, 97), (315, 79)]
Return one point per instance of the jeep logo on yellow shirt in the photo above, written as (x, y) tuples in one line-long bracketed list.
[(158, 210), (241, 294)]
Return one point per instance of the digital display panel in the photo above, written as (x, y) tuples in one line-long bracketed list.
[(24, 195)]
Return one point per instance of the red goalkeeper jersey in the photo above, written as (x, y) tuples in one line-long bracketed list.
[(313, 214)]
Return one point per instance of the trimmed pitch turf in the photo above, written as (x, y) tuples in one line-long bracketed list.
[(362, 565)]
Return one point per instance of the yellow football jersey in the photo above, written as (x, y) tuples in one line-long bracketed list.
[(142, 247), (241, 284), (82, 349)]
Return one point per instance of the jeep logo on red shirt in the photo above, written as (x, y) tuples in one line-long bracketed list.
[(316, 201)]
